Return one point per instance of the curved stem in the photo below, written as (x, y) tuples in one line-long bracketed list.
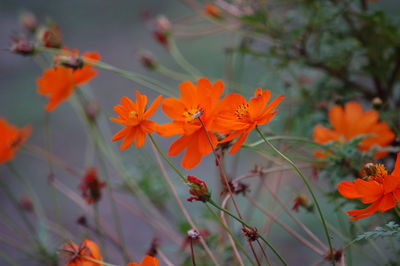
[(175, 194), (235, 240), (167, 160), (248, 226), (297, 170)]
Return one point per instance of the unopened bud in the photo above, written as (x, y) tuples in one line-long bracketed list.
[(147, 60), (198, 189), (22, 46), (50, 37), (28, 21)]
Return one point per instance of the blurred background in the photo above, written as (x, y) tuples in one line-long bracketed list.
[(119, 30)]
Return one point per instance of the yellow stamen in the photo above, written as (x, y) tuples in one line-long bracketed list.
[(132, 114), (242, 111), (374, 171), (192, 114)]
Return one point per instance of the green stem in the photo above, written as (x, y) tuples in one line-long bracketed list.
[(180, 59), (167, 160), (248, 226), (297, 170), (114, 209), (136, 77), (230, 233)]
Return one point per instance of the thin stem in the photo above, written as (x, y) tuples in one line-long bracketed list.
[(168, 160), (98, 228), (248, 226), (232, 236), (297, 170), (114, 209), (221, 168), (175, 194), (285, 227), (180, 59), (224, 177), (295, 219), (192, 252)]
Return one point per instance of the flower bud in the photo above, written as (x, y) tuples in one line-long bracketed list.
[(50, 37), (147, 60), (198, 189), (22, 46), (162, 30), (28, 21)]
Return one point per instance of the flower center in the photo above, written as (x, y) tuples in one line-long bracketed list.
[(376, 172), (132, 114), (242, 111), (192, 114)]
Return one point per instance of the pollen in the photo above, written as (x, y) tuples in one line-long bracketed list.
[(376, 172), (192, 114), (132, 114), (242, 111)]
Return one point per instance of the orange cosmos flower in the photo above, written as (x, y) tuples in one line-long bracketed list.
[(11, 139), (237, 117), (194, 102), (378, 188), (59, 82), (212, 10), (134, 116), (77, 255), (146, 261), (350, 122)]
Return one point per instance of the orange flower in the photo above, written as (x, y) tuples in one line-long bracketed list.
[(59, 82), (194, 102), (76, 255), (134, 116), (378, 188), (212, 10), (350, 122), (237, 117), (11, 139), (146, 261)]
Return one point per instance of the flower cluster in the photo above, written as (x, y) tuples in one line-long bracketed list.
[(198, 116), (350, 122)]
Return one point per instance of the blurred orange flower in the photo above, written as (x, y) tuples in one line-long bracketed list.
[(59, 82), (378, 188), (11, 139), (134, 116), (194, 102), (76, 255), (237, 117), (212, 10), (146, 261), (350, 122)]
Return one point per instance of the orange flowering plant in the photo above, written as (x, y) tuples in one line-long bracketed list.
[(377, 187), (59, 82), (11, 138), (332, 73)]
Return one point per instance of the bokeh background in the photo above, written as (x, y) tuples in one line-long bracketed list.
[(118, 30)]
